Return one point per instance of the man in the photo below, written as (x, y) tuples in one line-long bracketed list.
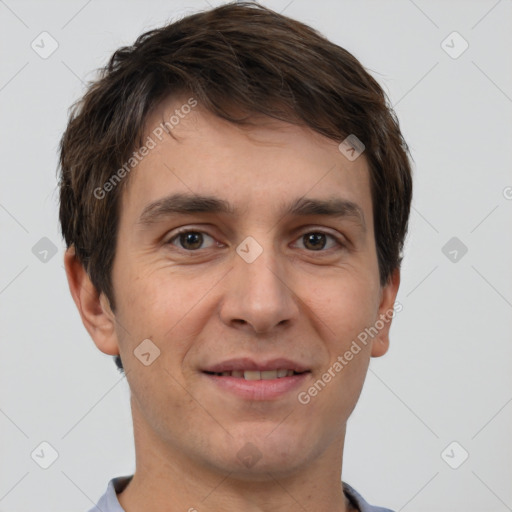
[(235, 193)]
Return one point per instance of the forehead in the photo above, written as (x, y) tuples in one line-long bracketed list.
[(257, 167)]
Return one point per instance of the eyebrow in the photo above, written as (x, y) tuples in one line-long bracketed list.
[(176, 204)]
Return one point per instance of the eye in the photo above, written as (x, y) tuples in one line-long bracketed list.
[(190, 240), (317, 240)]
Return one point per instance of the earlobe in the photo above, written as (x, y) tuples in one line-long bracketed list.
[(93, 307), (380, 343)]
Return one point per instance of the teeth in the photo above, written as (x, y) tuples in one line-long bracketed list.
[(257, 375), (252, 375)]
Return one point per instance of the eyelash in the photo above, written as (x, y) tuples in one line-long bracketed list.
[(339, 242)]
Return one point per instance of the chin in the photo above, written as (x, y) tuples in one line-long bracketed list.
[(253, 457)]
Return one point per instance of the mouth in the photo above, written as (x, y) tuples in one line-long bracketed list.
[(258, 375), (251, 380)]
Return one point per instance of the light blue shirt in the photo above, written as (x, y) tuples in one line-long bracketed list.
[(109, 502)]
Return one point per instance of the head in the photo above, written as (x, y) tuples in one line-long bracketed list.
[(238, 114)]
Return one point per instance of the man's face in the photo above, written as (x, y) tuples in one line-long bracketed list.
[(305, 298)]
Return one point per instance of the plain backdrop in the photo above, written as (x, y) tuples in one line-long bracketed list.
[(447, 377)]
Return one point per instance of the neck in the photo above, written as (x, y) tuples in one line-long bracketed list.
[(167, 477)]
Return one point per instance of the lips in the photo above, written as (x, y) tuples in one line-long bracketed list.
[(261, 389), (252, 379), (251, 369), (257, 375)]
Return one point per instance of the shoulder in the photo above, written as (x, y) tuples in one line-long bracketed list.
[(359, 502), (108, 501)]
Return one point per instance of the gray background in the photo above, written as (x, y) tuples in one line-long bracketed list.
[(447, 375)]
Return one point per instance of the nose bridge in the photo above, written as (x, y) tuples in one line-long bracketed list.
[(257, 293), (258, 267)]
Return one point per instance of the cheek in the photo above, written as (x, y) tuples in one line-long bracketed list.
[(152, 294), (158, 399), (341, 311), (344, 306), (167, 308), (164, 308)]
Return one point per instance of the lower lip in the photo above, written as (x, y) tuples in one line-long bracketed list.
[(259, 389)]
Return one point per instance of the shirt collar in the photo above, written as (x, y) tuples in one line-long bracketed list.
[(116, 485)]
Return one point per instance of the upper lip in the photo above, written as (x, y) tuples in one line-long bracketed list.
[(246, 363)]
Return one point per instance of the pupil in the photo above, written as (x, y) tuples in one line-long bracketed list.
[(313, 239), (191, 240)]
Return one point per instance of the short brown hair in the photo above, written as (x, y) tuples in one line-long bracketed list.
[(235, 58)]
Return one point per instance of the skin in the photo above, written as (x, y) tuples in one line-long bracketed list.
[(203, 307)]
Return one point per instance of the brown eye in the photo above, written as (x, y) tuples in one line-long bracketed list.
[(190, 240), (317, 241), (314, 241)]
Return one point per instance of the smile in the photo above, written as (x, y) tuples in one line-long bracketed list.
[(257, 375)]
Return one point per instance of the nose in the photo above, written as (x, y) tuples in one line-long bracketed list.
[(259, 295)]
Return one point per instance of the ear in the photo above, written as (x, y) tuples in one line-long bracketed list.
[(380, 343), (94, 308)]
